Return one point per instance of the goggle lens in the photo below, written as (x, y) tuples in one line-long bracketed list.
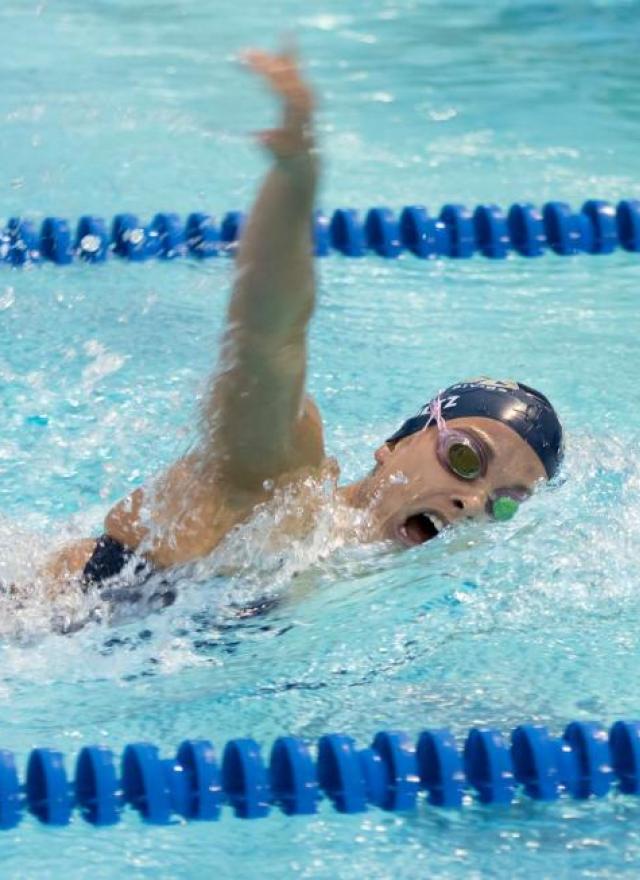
[(464, 460), (504, 508)]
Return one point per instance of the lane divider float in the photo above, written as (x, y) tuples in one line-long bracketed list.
[(599, 227), (392, 773)]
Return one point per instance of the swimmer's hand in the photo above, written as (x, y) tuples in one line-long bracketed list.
[(282, 73)]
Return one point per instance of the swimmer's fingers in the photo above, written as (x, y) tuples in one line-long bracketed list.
[(282, 73)]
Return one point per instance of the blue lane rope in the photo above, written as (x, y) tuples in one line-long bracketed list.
[(390, 774), (598, 228)]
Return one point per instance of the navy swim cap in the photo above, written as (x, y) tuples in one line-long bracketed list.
[(525, 410)]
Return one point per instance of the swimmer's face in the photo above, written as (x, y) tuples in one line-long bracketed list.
[(413, 494)]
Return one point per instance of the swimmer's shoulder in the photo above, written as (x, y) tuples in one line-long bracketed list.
[(192, 511), (174, 518)]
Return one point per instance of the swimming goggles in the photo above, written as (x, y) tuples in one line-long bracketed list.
[(461, 455)]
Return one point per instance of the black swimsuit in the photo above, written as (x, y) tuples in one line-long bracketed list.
[(109, 559)]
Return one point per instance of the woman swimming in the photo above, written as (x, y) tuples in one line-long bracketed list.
[(478, 448)]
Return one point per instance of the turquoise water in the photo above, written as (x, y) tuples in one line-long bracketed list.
[(114, 106)]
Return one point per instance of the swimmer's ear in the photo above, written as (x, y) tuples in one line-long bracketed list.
[(383, 452)]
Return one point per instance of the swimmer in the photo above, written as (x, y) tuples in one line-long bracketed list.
[(476, 449)]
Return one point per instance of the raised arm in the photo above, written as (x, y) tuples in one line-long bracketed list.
[(258, 424)]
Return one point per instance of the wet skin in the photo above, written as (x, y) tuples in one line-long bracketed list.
[(258, 426), (409, 479)]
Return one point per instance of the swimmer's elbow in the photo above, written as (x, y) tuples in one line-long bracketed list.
[(123, 521)]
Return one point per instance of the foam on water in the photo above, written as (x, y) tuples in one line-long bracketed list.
[(570, 551), (102, 369), (490, 623)]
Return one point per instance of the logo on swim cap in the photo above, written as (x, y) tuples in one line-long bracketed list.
[(484, 382)]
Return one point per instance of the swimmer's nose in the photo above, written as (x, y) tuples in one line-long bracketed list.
[(470, 504)]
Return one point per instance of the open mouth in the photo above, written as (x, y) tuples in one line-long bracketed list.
[(420, 528)]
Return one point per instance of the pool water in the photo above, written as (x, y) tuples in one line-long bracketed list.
[(107, 107)]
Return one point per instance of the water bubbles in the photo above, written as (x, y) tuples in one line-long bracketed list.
[(104, 363), (382, 97), (8, 297), (327, 21), (443, 115)]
